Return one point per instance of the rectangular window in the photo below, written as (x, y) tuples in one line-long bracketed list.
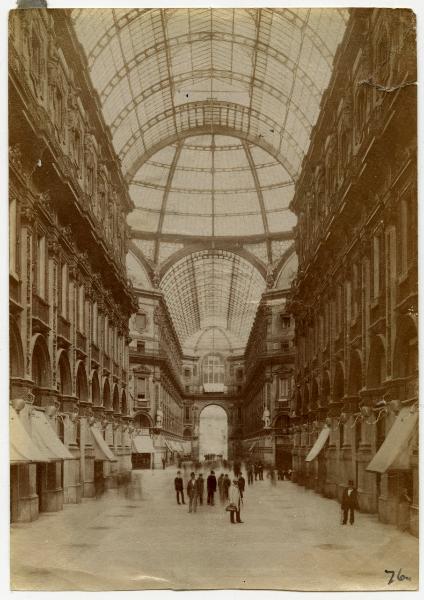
[(64, 291), (376, 267), (187, 413), (187, 372), (141, 346), (285, 322), (81, 307), (348, 288), (140, 322), (284, 388), (403, 237), (141, 388), (95, 324), (354, 291), (41, 267), (13, 238)]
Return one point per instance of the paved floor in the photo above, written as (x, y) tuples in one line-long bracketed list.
[(291, 539)]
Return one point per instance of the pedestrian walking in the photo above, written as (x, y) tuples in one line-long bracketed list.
[(163, 462), (241, 484), (235, 502), (200, 488), (256, 469), (249, 474), (211, 484), (221, 487), (261, 471), (226, 486), (271, 475), (179, 488), (192, 493), (405, 501), (349, 503)]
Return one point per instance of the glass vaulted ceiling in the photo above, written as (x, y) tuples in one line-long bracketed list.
[(210, 112)]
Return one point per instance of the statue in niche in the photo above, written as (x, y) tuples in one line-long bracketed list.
[(156, 278), (266, 418), (159, 418)]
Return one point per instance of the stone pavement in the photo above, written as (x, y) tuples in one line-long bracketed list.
[(291, 539)]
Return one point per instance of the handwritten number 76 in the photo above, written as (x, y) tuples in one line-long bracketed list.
[(399, 576)]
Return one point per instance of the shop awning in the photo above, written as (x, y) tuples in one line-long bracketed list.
[(142, 444), (394, 451), (186, 447), (46, 437), (319, 444), (169, 445), (101, 449), (22, 448)]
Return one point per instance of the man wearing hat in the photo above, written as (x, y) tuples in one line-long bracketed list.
[(349, 503)]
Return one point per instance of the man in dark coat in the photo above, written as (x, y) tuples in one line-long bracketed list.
[(226, 486), (179, 488), (241, 484), (211, 487), (192, 493), (250, 474), (349, 503), (200, 488)]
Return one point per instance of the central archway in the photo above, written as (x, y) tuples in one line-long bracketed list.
[(213, 431)]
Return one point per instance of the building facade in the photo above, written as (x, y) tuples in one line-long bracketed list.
[(69, 296), (355, 296)]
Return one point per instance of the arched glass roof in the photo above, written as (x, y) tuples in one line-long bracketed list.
[(213, 288), (211, 112), (163, 73)]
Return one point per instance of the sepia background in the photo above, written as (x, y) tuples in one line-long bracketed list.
[(212, 209)]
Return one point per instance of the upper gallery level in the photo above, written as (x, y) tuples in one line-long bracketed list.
[(371, 82), (52, 94)]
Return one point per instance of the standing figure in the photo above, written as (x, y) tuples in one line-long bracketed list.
[(404, 510), (250, 474), (221, 487), (200, 488), (211, 487), (163, 462), (235, 501), (256, 471), (179, 488), (192, 493), (261, 471), (349, 503), (226, 485), (241, 484)]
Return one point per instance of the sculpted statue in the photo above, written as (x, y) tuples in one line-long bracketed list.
[(266, 418), (159, 418)]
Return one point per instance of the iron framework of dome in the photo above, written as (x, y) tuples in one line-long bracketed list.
[(210, 112)]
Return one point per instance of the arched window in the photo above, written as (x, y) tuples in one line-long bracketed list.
[(213, 369)]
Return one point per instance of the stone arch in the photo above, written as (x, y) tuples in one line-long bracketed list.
[(314, 393), (143, 420), (305, 400), (64, 377), (338, 383), (41, 365), (326, 389), (405, 350), (81, 382), (355, 373), (376, 368), (286, 268), (107, 401), (216, 245), (215, 441), (95, 389), (16, 353), (124, 404), (116, 402)]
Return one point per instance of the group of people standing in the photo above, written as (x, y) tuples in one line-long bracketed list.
[(230, 492)]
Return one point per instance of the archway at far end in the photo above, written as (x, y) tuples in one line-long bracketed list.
[(213, 431)]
